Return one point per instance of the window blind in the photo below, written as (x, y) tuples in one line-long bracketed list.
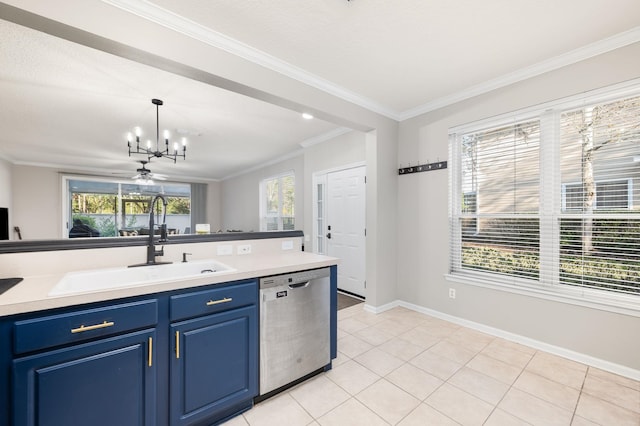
[(499, 192), (550, 197), (600, 220)]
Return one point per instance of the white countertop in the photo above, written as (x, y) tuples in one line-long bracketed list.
[(32, 293)]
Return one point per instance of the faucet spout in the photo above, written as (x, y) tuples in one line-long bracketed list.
[(151, 249)]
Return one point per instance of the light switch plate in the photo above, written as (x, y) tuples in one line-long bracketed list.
[(225, 250), (287, 245), (244, 249)]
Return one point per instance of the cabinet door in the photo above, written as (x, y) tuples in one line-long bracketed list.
[(107, 382), (214, 366)]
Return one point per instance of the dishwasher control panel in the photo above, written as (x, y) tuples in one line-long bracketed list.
[(294, 278)]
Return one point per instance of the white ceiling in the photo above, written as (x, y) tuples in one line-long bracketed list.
[(399, 58), (68, 106), (399, 55)]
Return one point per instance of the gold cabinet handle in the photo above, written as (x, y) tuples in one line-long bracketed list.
[(82, 328), (177, 345), (217, 302), (150, 351)]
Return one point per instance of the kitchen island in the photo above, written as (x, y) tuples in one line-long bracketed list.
[(166, 352)]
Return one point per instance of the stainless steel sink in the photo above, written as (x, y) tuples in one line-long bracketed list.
[(105, 279)]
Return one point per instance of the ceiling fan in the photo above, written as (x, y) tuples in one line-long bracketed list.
[(145, 175)]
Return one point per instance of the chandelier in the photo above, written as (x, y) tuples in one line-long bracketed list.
[(179, 150)]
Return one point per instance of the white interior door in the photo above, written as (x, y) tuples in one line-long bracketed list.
[(345, 230)]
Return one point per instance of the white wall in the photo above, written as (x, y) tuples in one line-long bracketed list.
[(214, 205), (343, 150), (6, 191), (423, 237), (36, 202), (223, 69), (241, 195)]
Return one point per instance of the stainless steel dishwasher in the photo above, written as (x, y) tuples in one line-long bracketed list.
[(294, 326)]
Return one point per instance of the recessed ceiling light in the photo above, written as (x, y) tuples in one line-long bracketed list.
[(307, 116)]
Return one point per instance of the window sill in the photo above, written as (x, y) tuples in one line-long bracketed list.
[(622, 304)]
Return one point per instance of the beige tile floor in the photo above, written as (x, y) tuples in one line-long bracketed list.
[(405, 368)]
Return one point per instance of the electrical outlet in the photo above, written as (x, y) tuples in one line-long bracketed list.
[(287, 245), (452, 293), (225, 250), (244, 249)]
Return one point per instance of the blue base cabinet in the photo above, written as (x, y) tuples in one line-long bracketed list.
[(186, 357), (111, 381), (213, 371)]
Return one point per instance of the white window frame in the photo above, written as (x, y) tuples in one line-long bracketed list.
[(319, 216), (550, 211), (264, 215), (629, 182)]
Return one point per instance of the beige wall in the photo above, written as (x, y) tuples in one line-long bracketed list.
[(422, 226), (223, 69), (240, 195), (214, 206), (37, 202), (338, 152)]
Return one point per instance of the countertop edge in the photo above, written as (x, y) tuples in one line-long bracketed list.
[(11, 302)]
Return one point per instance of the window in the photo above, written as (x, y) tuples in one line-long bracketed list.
[(546, 199), (277, 199), (610, 195), (498, 216), (108, 209)]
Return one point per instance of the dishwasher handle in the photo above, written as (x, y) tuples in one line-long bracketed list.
[(299, 285)]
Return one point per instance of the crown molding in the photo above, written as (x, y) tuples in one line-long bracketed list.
[(325, 137), (6, 158), (580, 54), (304, 144), (175, 22), (292, 154), (108, 173), (189, 28)]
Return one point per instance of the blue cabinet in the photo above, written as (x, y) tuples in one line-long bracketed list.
[(214, 364), (108, 382), (187, 357), (91, 366)]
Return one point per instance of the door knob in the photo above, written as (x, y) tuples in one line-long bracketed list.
[(329, 235)]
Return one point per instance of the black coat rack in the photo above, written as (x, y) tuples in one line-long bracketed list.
[(440, 165)]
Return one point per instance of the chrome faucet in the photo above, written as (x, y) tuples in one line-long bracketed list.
[(151, 249)]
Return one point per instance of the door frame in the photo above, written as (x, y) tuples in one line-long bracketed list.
[(320, 177)]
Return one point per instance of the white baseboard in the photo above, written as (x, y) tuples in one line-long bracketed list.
[(536, 344), (381, 309)]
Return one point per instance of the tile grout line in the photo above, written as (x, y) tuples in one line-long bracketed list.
[(511, 387), (575, 409)]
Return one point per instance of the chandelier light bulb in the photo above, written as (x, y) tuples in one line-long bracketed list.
[(138, 131), (184, 141), (175, 146), (166, 134), (148, 143)]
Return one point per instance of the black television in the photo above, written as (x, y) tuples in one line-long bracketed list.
[(4, 223)]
